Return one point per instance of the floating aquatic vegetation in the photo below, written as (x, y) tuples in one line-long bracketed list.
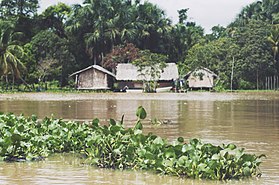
[(113, 146)]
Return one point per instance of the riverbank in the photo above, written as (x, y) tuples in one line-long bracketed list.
[(200, 96)]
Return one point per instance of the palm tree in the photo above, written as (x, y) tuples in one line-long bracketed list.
[(103, 24), (25, 8), (103, 30), (270, 9), (113, 22), (274, 40), (10, 52), (265, 10), (152, 26)]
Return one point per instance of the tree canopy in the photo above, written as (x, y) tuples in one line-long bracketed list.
[(107, 32)]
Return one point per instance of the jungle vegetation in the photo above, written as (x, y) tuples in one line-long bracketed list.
[(39, 47)]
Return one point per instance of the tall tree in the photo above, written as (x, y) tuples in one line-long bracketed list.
[(273, 38), (47, 47), (105, 24), (216, 55), (217, 32), (270, 11), (152, 26), (265, 10), (103, 32), (76, 26), (54, 18), (255, 57), (184, 35), (98, 23), (15, 8), (150, 66), (22, 13), (10, 52)]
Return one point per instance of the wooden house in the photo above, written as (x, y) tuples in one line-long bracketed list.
[(127, 75), (201, 78), (94, 78)]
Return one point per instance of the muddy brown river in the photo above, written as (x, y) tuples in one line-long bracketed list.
[(250, 120)]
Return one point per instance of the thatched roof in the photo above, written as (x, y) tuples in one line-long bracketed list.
[(129, 72), (199, 70), (99, 68)]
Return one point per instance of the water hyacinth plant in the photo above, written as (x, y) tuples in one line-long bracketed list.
[(113, 146)]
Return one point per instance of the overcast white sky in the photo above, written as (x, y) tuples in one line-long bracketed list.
[(206, 13)]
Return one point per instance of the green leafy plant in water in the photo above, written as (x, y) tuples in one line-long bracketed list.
[(115, 147)]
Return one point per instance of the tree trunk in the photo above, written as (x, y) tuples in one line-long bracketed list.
[(7, 82), (257, 80), (25, 83), (232, 74), (274, 82), (95, 60), (13, 82)]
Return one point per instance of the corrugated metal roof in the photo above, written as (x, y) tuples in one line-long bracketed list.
[(129, 72)]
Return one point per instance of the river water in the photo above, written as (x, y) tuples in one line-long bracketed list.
[(250, 121)]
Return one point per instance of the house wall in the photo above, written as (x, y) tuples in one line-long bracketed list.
[(139, 84), (93, 79), (166, 83), (130, 84), (205, 81)]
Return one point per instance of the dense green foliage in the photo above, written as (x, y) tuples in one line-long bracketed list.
[(150, 67), (64, 39), (245, 47), (115, 147)]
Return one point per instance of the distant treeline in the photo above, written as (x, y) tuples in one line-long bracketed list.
[(49, 46)]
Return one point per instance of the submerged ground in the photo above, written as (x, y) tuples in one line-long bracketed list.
[(250, 120), (201, 96)]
